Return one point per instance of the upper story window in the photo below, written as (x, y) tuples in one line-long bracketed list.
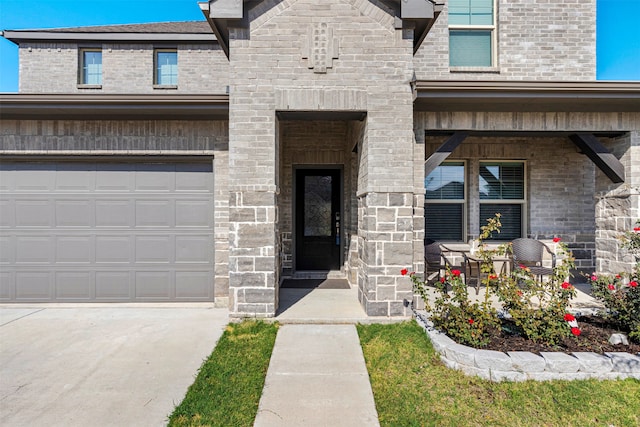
[(502, 190), (444, 208), (472, 33), (166, 67), (91, 66)]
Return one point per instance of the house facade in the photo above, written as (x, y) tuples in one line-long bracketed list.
[(208, 161)]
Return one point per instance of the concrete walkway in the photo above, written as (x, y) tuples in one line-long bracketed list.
[(317, 377)]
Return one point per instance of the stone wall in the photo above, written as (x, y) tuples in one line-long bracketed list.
[(536, 40), (144, 137), (127, 68), (618, 206)]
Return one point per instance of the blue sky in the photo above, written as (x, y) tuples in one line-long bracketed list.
[(618, 27)]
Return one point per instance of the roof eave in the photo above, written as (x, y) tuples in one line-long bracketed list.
[(17, 36), (114, 107), (527, 96)]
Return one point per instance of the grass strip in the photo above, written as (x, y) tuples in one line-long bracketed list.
[(413, 388), (229, 384)]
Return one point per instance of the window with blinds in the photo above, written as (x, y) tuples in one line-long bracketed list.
[(444, 208), (472, 25), (502, 190), (166, 65), (90, 66)]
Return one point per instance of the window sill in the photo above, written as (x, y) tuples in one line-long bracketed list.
[(83, 86), (474, 70), (169, 87)]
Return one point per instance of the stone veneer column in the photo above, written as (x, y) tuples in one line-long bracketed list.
[(618, 206), (386, 206)]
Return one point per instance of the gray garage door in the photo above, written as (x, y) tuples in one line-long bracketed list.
[(106, 232)]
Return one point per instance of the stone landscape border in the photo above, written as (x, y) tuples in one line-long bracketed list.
[(523, 365)]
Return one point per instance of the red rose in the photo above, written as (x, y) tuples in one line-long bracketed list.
[(576, 331), (471, 321), (404, 271), (566, 285), (611, 287), (633, 283), (493, 277), (442, 280), (556, 239), (569, 317), (456, 273), (618, 276), (636, 229), (594, 278)]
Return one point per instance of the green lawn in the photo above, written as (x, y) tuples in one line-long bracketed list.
[(413, 388), (227, 389)]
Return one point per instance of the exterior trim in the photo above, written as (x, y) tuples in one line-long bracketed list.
[(550, 96), (114, 107), (18, 36)]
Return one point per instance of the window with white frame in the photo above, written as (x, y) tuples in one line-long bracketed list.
[(444, 208), (502, 190), (90, 66), (472, 33), (166, 67)]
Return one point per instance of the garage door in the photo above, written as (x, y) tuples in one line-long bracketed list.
[(105, 232)]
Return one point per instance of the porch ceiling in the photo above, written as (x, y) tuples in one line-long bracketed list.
[(502, 96)]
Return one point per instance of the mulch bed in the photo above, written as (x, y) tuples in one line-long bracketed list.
[(594, 338)]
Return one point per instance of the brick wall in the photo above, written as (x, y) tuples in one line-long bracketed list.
[(127, 68), (537, 40)]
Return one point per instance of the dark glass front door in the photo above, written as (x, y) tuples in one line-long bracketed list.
[(317, 219)]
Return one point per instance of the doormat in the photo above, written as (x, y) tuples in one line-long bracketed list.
[(315, 284)]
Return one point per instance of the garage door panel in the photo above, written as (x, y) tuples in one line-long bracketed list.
[(6, 249), (114, 213), (193, 249), (76, 177), (74, 285), (74, 213), (113, 249), (99, 231), (153, 284), (114, 178), (7, 217), (193, 285), (154, 178), (40, 177), (7, 285), (74, 249), (34, 249), (33, 285), (34, 213), (154, 213), (194, 178), (113, 285), (154, 249), (193, 213)]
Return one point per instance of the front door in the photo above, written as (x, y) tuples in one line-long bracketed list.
[(317, 218)]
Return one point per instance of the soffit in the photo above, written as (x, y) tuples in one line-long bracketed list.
[(527, 96)]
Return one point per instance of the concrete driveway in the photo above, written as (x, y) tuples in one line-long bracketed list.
[(111, 365)]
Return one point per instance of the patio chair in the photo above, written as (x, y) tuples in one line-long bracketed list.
[(529, 252), (435, 260)]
